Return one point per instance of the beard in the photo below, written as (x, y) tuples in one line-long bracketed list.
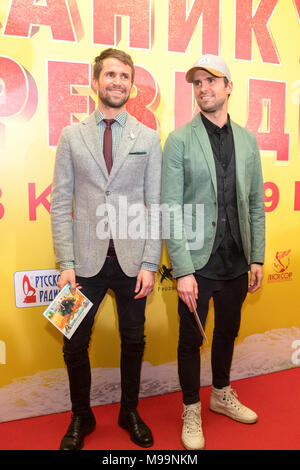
[(209, 108), (110, 102)]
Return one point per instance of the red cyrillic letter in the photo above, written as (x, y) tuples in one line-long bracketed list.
[(147, 98), (297, 196), (107, 22), (297, 6), (182, 24), (184, 108), (1, 207), (258, 22), (34, 201), (63, 99), (25, 17), (18, 93), (267, 109)]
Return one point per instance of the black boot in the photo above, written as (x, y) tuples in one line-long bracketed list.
[(80, 426), (139, 432)]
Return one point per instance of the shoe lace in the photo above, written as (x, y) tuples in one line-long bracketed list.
[(192, 420), (75, 424), (232, 397)]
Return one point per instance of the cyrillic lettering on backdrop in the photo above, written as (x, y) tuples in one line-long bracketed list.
[(257, 22), (1, 207), (297, 196), (266, 117), (18, 93), (36, 201), (185, 107), (64, 100), (143, 105), (182, 24), (62, 16), (297, 6), (107, 22)]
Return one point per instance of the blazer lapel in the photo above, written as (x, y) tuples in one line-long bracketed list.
[(128, 139), (90, 136), (203, 139)]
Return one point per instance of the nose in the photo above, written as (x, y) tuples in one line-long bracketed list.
[(203, 85), (117, 80)]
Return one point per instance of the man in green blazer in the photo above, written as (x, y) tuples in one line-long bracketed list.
[(212, 184)]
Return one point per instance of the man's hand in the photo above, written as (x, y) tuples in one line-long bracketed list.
[(68, 275), (145, 282), (187, 289), (256, 277)]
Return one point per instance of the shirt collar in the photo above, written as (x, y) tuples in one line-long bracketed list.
[(212, 128), (120, 118)]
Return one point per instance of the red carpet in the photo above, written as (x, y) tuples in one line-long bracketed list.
[(275, 397)]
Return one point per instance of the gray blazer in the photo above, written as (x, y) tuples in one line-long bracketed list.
[(81, 177)]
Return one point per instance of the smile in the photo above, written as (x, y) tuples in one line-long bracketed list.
[(116, 91)]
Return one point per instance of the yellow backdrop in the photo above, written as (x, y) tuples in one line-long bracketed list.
[(45, 84)]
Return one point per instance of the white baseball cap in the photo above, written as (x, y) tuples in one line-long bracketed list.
[(214, 64)]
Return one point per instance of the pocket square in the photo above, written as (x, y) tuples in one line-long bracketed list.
[(137, 153)]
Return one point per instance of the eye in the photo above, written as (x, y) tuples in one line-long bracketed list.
[(197, 83)]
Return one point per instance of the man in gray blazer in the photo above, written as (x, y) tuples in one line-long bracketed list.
[(109, 166), (212, 166)]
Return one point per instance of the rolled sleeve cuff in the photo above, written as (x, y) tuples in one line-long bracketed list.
[(149, 266), (66, 265)]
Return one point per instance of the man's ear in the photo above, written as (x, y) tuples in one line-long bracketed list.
[(94, 84), (229, 87)]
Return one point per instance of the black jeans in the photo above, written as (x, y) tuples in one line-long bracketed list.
[(228, 297), (131, 315)]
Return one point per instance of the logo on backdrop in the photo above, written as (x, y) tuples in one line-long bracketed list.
[(35, 288), (166, 278), (280, 267)]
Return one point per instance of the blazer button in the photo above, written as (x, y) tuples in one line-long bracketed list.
[(107, 193), (213, 224)]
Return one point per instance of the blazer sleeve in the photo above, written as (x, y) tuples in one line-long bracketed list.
[(257, 209), (152, 192), (62, 201), (172, 207)]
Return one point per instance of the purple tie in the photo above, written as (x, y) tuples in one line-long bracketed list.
[(107, 152), (107, 144)]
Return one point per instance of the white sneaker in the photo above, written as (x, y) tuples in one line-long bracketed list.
[(192, 435), (225, 401)]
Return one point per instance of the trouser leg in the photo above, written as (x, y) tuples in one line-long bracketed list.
[(131, 314), (228, 302), (132, 350), (75, 349), (190, 340)]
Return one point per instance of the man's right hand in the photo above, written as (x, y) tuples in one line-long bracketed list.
[(68, 276), (187, 289)]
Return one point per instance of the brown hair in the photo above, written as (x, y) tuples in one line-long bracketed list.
[(115, 54)]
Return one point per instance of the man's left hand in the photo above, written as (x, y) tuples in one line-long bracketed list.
[(145, 282), (256, 277)]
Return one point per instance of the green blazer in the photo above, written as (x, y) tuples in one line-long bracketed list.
[(189, 191)]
